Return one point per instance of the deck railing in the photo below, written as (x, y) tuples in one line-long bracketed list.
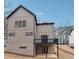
[(48, 41)]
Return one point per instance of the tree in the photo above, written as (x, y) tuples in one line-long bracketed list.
[(7, 5)]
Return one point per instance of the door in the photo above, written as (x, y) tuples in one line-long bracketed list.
[(44, 49), (44, 38)]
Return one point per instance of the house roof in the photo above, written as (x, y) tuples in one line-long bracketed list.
[(30, 13), (45, 23), (23, 8)]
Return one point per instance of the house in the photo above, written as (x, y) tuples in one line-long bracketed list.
[(71, 39), (26, 36)]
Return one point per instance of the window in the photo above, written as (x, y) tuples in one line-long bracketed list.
[(44, 49), (23, 47), (24, 23), (20, 23), (16, 24), (11, 34), (29, 33)]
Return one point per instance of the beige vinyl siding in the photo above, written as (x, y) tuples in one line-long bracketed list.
[(45, 30), (20, 38)]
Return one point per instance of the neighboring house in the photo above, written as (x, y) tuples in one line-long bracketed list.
[(71, 39), (26, 36)]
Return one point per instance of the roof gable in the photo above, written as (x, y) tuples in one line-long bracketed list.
[(23, 8)]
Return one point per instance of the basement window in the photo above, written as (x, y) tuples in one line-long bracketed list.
[(23, 47)]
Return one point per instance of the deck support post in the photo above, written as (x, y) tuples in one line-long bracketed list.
[(57, 49), (36, 50)]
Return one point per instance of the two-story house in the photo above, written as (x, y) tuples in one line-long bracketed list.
[(26, 36)]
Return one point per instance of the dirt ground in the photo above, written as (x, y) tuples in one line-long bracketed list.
[(62, 55)]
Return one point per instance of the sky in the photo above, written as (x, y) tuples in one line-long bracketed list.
[(61, 12)]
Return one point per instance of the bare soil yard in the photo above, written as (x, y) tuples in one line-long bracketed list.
[(62, 55)]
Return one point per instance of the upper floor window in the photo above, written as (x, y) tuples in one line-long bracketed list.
[(20, 23)]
